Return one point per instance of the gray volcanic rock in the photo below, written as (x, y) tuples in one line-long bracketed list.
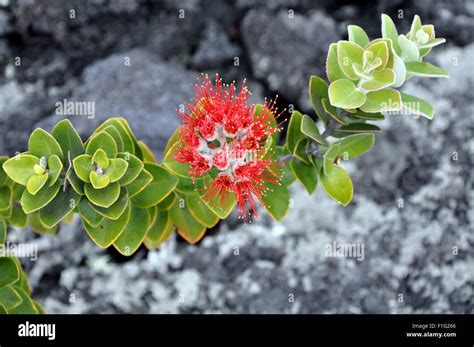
[(417, 256), (286, 49)]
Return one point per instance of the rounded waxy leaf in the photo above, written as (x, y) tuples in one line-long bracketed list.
[(424, 69), (100, 158), (99, 181), (112, 131), (17, 217), (318, 90), (104, 141), (35, 183), (333, 112), (69, 140), (31, 203), (167, 202), (75, 182), (417, 106), (310, 129), (89, 213), (294, 133), (159, 188), (338, 185), (115, 211), (135, 231), (117, 169), (357, 35), (3, 174), (9, 271), (135, 166), (333, 70), (27, 306), (344, 94), (104, 197), (34, 222), (355, 145), (107, 231), (379, 50), (176, 167), (6, 195), (128, 145), (382, 100), (83, 166), (380, 79), (400, 71), (139, 183), (42, 144), (160, 231), (3, 231), (359, 128), (187, 226), (9, 298), (147, 153), (409, 50), (306, 173), (389, 31), (349, 53), (276, 200), (55, 166), (21, 167), (59, 207), (200, 211)]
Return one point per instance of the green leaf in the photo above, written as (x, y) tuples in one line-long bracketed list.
[(344, 94), (409, 50), (68, 139), (102, 140), (177, 168), (59, 207), (276, 200), (128, 143), (117, 169), (35, 183), (222, 206), (333, 70), (9, 271), (368, 116), (294, 133), (333, 112), (112, 131), (42, 144), (424, 69), (100, 158), (188, 227), (83, 165), (117, 209), (26, 307), (300, 150), (159, 229), (37, 226), (389, 31), (310, 129), (355, 145), (139, 183), (382, 100), (357, 35), (135, 166), (200, 211), (415, 26), (104, 197), (306, 174), (318, 90), (75, 182), (99, 181), (38, 307), (417, 106), (381, 79), (5, 198), (89, 214), (31, 203), (167, 202), (338, 185), (359, 128), (135, 231), (379, 50), (21, 167), (349, 53), (107, 231), (159, 188), (9, 298), (147, 153), (3, 231), (400, 70), (3, 174), (18, 217), (288, 177), (55, 166)]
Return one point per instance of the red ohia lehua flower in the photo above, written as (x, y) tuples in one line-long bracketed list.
[(223, 136)]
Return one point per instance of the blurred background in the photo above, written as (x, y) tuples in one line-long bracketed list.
[(412, 208)]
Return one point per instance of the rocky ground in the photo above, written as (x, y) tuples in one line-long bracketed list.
[(413, 192)]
